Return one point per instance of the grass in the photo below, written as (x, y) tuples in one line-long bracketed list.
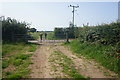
[(100, 53), (5, 63), (32, 48), (9, 48), (35, 35), (22, 56), (8, 73), (13, 54), (66, 63), (15, 76), (17, 62)]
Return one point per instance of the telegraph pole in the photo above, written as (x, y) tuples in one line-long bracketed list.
[(73, 12)]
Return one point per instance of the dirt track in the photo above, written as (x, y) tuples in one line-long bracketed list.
[(41, 67)]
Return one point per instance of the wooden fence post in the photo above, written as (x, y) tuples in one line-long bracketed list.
[(67, 37)]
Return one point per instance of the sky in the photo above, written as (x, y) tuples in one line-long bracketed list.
[(45, 16)]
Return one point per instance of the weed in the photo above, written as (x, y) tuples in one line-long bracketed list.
[(32, 48), (5, 64), (7, 73), (17, 62), (22, 56), (15, 76)]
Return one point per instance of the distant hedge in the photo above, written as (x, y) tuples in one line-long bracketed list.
[(62, 32), (12, 26)]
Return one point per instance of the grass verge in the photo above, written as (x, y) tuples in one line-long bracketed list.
[(16, 59), (100, 53)]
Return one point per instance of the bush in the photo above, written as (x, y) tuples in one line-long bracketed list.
[(59, 33), (105, 33), (12, 26)]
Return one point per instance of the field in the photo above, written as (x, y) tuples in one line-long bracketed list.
[(50, 36), (36, 35)]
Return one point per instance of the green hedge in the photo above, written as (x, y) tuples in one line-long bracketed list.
[(105, 33)]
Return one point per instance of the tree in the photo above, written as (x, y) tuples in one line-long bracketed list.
[(59, 32), (33, 30), (12, 26)]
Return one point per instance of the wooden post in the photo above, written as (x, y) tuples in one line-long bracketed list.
[(67, 37)]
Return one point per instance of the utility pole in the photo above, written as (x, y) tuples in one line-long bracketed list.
[(73, 11)]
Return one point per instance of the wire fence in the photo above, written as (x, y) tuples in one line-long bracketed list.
[(30, 38), (17, 37)]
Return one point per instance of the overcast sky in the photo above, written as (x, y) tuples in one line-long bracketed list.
[(48, 15)]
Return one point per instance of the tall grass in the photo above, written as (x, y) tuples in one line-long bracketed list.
[(100, 53)]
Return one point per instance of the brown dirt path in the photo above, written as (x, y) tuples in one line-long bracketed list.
[(41, 67)]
